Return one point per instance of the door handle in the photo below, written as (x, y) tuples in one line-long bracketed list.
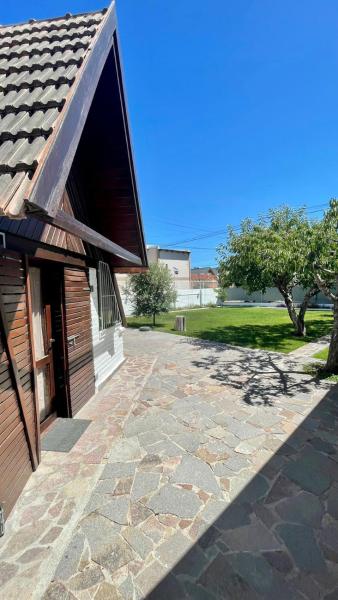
[(52, 340)]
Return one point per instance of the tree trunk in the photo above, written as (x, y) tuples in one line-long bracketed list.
[(298, 322), (303, 309), (332, 361), (154, 318)]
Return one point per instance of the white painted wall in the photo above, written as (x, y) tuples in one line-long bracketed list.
[(193, 297), (107, 344)]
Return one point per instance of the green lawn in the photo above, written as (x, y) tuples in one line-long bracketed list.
[(318, 369), (323, 354), (254, 327)]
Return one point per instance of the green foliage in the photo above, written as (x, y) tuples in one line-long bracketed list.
[(274, 252), (324, 252), (326, 273), (222, 294), (152, 292), (278, 251)]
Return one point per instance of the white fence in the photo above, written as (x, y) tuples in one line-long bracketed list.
[(185, 299), (193, 297)]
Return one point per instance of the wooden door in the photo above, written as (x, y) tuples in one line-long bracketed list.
[(43, 346), (81, 378)]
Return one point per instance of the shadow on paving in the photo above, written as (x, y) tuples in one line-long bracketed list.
[(279, 537), (257, 374)]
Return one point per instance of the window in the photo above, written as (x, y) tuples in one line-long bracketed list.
[(109, 312)]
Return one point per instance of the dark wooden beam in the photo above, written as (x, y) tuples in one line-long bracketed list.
[(31, 337), (72, 225), (51, 175)]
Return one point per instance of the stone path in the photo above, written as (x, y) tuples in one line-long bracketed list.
[(208, 472), (308, 350)]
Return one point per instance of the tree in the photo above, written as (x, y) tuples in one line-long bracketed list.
[(274, 252), (222, 295), (326, 274), (152, 292)]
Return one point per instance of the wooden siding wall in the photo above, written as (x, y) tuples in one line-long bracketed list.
[(80, 349), (17, 409)]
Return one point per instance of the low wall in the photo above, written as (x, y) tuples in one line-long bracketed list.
[(193, 297), (185, 299), (271, 295)]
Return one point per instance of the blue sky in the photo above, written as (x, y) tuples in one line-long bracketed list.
[(233, 107)]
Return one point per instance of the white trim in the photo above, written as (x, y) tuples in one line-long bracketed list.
[(107, 343)]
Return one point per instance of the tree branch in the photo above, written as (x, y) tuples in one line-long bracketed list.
[(325, 288)]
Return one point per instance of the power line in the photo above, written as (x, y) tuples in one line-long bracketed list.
[(237, 228), (180, 225)]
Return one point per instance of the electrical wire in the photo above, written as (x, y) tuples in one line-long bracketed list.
[(222, 231)]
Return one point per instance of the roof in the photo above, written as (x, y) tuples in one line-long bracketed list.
[(39, 64), (199, 270), (204, 276), (160, 249), (64, 121)]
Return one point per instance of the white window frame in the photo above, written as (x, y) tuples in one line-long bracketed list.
[(109, 311)]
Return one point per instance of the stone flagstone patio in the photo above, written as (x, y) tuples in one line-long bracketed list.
[(208, 472)]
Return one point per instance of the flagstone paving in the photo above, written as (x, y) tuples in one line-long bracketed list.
[(208, 472)]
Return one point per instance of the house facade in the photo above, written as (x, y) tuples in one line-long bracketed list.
[(177, 261), (69, 219), (205, 278)]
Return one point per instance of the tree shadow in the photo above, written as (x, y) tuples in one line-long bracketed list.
[(278, 538), (261, 376)]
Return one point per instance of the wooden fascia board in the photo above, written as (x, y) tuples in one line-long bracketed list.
[(71, 225), (50, 178), (126, 124)]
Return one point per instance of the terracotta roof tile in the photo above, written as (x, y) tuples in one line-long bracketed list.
[(38, 65)]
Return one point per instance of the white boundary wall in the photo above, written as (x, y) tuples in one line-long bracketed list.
[(185, 299), (107, 344), (195, 297)]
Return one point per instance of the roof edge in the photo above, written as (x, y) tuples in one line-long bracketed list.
[(54, 166), (48, 19)]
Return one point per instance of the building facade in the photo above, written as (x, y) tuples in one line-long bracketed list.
[(177, 261), (70, 217), (204, 278)]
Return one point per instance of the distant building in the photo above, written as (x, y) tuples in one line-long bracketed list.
[(177, 261), (206, 277)]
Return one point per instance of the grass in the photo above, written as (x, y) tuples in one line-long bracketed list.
[(323, 354), (319, 370), (253, 327)]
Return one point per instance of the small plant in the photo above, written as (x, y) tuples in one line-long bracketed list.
[(152, 292), (222, 295), (319, 371)]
